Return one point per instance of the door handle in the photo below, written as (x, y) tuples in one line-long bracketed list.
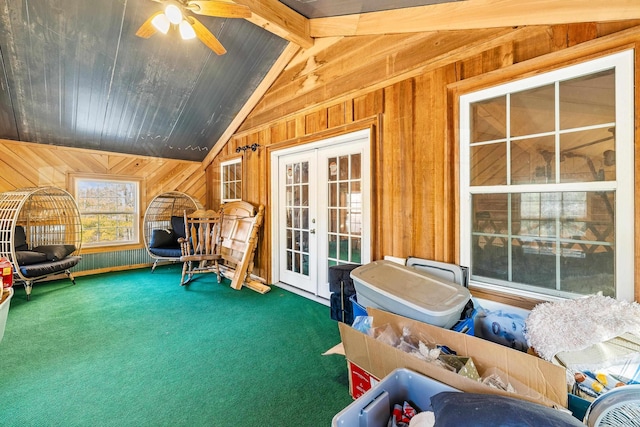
[(312, 231)]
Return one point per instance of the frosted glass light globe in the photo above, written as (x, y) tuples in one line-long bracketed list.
[(173, 14)]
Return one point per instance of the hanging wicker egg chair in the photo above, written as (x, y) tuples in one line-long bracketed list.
[(163, 225), (40, 233)]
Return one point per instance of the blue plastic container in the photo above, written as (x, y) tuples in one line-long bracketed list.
[(466, 326), (358, 310)]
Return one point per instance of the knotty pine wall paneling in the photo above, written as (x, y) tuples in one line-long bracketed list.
[(400, 85), (396, 182), (34, 165)]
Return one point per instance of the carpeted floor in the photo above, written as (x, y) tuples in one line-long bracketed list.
[(136, 349)]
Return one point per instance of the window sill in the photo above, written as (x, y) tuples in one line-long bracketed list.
[(110, 248), (516, 298)]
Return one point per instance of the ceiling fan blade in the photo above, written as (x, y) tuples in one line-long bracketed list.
[(222, 9), (147, 29), (206, 37)]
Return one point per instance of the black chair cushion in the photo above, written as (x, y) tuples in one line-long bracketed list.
[(166, 252), (177, 224), (55, 252), (30, 257), (20, 239), (161, 238), (49, 267)]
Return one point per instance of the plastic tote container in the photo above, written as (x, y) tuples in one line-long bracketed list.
[(410, 292), (374, 408), (358, 310), (4, 311)]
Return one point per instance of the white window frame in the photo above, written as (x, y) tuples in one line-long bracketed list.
[(623, 62), (223, 182), (78, 180)]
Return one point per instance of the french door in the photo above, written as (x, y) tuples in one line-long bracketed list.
[(322, 212)]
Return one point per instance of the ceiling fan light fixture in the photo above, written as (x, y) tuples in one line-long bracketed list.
[(174, 14), (188, 26), (186, 31), (161, 23)]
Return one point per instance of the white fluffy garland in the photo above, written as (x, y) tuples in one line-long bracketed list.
[(573, 325)]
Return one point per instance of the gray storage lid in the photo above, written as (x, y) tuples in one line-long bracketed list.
[(416, 288)]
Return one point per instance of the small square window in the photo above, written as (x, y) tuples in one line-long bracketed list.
[(109, 210)]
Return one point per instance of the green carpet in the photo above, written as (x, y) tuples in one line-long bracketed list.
[(137, 349)]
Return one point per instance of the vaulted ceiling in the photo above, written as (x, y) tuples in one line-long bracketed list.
[(73, 73)]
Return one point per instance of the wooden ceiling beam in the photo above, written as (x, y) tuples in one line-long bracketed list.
[(280, 20), (475, 14)]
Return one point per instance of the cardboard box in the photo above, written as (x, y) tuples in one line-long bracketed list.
[(539, 381), (360, 381)]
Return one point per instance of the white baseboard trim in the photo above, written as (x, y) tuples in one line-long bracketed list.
[(305, 294)]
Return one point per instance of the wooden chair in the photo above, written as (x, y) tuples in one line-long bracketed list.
[(241, 222), (200, 247)]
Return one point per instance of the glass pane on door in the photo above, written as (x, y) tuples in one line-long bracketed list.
[(344, 209), (297, 214)]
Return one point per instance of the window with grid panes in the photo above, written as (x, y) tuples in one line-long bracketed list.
[(546, 182), (345, 209), (109, 210), (231, 182)]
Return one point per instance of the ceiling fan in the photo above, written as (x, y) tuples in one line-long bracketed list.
[(175, 14)]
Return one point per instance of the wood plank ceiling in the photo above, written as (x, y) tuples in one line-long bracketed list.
[(73, 73)]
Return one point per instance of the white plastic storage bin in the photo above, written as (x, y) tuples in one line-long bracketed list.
[(4, 312), (444, 270), (374, 408), (410, 293)]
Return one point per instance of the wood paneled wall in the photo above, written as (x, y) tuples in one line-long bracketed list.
[(34, 165), (398, 86)]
